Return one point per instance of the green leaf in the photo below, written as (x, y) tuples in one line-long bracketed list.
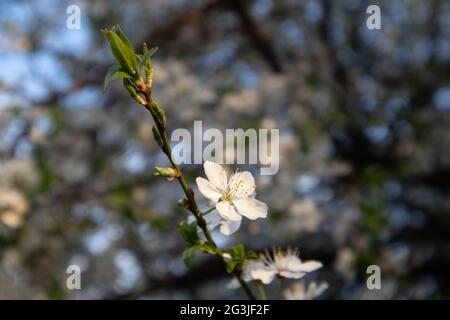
[(237, 252), (206, 247), (188, 255), (122, 49), (116, 29), (231, 265), (238, 256), (130, 50), (145, 62), (189, 233), (131, 88), (115, 72), (122, 54), (147, 56)]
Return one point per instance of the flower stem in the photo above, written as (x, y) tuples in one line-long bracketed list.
[(208, 211), (192, 204), (262, 291), (280, 288)]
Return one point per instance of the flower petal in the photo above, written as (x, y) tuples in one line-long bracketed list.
[(256, 269), (251, 208), (212, 217), (212, 221), (207, 189), (264, 275), (229, 227), (216, 175), (242, 184), (292, 274), (227, 212), (289, 260), (310, 266)]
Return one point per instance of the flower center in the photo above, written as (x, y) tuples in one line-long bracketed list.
[(227, 196), (233, 189)]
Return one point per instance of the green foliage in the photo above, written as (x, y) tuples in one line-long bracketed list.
[(188, 255), (190, 236), (55, 290), (47, 176), (146, 62), (115, 72), (128, 84), (208, 248), (130, 65), (190, 251), (189, 233), (238, 256), (147, 56), (193, 242), (159, 113), (373, 177), (374, 220), (119, 200), (362, 260), (122, 50)]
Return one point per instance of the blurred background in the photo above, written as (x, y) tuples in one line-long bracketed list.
[(364, 120)]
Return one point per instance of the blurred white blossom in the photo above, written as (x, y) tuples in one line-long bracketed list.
[(286, 264), (13, 207), (18, 173), (301, 291)]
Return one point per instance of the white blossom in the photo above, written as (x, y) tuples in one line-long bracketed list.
[(251, 270), (299, 291), (233, 197), (285, 264)]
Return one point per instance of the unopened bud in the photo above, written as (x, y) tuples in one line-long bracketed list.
[(122, 49), (148, 68), (226, 256), (184, 203), (157, 136), (170, 173), (159, 113)]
